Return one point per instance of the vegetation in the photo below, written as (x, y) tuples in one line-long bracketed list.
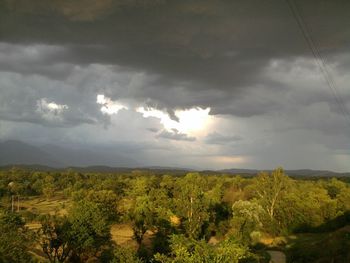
[(69, 216)]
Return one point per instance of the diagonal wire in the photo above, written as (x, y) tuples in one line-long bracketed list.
[(321, 63)]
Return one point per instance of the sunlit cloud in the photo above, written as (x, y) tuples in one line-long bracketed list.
[(109, 106), (189, 120), (50, 110)]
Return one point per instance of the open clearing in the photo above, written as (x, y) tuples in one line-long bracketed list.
[(40, 205)]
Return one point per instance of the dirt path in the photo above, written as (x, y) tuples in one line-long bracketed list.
[(277, 256)]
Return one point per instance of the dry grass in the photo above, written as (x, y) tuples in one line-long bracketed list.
[(122, 234), (33, 225), (40, 205)]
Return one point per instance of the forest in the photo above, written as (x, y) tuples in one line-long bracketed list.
[(143, 216)]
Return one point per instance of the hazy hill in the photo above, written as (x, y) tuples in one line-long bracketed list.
[(300, 172), (17, 152), (50, 157)]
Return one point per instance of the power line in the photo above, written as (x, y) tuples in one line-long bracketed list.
[(321, 63)]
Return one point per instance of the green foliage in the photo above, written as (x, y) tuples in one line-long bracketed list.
[(182, 212), (323, 248), (333, 187), (85, 233), (124, 255), (142, 217), (246, 219), (270, 188), (343, 199), (191, 204), (188, 250), (90, 229), (55, 237), (15, 238), (48, 191), (105, 200)]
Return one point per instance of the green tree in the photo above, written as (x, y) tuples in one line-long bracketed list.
[(188, 250), (90, 230), (106, 200), (270, 190), (191, 204), (344, 199), (246, 219), (48, 190), (333, 187), (15, 238), (55, 237), (124, 255), (142, 217)]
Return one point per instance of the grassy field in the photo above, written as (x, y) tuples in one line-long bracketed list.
[(40, 205)]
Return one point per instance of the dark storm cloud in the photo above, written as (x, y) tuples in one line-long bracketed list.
[(36, 59), (213, 51)]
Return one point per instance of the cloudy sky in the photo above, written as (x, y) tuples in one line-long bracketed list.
[(200, 84)]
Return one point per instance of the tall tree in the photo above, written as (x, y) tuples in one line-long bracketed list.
[(269, 188), (191, 204)]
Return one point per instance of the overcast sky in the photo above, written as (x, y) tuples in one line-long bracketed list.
[(200, 84)]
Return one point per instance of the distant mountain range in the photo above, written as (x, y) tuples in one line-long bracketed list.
[(20, 153), (300, 172), (52, 157)]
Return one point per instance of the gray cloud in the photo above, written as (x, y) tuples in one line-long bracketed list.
[(217, 138), (246, 60), (175, 135), (187, 46)]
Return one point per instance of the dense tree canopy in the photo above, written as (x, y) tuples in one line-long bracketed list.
[(193, 217)]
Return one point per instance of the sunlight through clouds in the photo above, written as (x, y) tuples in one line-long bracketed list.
[(229, 159), (189, 121), (108, 106)]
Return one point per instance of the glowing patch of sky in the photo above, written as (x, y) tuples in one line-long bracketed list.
[(108, 106), (189, 121)]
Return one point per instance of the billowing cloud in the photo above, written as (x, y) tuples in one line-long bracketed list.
[(50, 111)]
